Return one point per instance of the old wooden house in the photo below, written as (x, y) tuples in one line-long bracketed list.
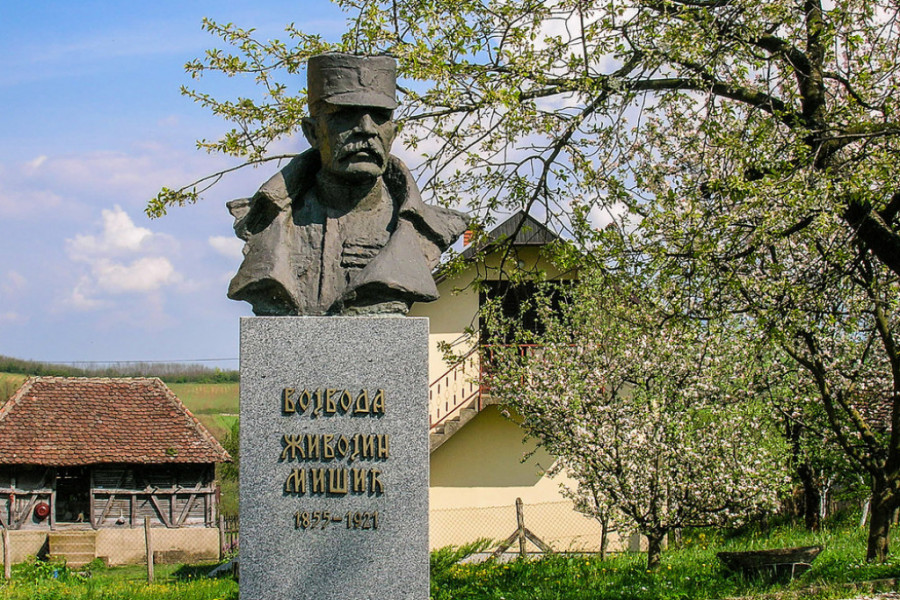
[(99, 455)]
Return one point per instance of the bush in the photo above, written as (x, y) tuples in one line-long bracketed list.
[(35, 570)]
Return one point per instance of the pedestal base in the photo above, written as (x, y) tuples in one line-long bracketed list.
[(334, 458)]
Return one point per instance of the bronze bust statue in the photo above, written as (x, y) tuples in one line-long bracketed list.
[(342, 229)]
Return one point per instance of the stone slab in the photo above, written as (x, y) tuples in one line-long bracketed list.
[(290, 549)]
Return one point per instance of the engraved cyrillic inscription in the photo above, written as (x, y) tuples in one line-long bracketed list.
[(334, 482), (322, 453), (328, 446), (329, 402)]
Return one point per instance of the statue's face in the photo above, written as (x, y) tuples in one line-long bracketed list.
[(353, 141)]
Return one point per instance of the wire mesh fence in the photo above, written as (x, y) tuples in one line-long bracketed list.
[(556, 525), (550, 526), (79, 546)]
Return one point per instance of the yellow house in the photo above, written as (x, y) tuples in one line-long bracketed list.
[(477, 471)]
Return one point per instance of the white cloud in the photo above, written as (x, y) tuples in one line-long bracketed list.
[(170, 121), (74, 182), (134, 174), (19, 201), (12, 283), (12, 317), (231, 247), (120, 235), (602, 215), (81, 296), (123, 258), (37, 162), (143, 275)]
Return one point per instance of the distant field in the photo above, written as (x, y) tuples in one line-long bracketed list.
[(214, 404), (218, 425), (9, 383), (208, 398)]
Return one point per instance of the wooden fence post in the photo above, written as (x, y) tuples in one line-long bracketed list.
[(7, 561), (221, 537), (148, 542), (520, 521), (521, 533)]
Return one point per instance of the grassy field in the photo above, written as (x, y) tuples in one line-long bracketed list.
[(9, 383), (688, 573), (214, 404), (208, 398)]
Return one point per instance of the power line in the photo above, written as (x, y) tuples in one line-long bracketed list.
[(130, 362)]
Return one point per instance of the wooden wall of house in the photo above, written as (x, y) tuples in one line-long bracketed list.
[(172, 496), (20, 491), (113, 496)]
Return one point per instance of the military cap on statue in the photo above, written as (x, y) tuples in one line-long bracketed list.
[(351, 80)]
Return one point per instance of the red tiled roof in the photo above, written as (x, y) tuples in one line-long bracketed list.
[(72, 421)]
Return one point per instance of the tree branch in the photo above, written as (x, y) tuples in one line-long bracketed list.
[(827, 401), (188, 193), (755, 98), (875, 232)]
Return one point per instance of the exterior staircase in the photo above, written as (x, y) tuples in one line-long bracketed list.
[(462, 392), (444, 431), (78, 548), (455, 398)]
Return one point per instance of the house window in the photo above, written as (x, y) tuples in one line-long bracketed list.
[(515, 303)]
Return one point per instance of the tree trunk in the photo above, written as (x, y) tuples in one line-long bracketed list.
[(881, 510), (654, 548), (675, 539), (812, 498)]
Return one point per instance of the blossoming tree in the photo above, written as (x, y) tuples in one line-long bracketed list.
[(654, 416), (752, 145)]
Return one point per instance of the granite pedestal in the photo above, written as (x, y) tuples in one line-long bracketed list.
[(334, 458)]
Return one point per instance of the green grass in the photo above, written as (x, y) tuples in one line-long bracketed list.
[(214, 404), (97, 590), (208, 398), (218, 425), (692, 572), (47, 581), (9, 383)]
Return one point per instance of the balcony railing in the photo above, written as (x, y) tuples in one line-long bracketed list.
[(466, 381)]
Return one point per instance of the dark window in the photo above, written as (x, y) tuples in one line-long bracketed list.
[(515, 303)]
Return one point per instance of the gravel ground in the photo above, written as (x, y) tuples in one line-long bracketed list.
[(884, 596)]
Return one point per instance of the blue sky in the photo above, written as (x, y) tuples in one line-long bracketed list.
[(92, 125)]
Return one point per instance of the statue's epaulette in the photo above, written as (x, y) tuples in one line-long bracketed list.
[(440, 225), (252, 215)]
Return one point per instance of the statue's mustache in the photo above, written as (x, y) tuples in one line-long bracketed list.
[(366, 146)]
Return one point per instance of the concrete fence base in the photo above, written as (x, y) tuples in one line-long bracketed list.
[(128, 546)]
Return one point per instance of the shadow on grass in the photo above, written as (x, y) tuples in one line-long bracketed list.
[(192, 572)]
